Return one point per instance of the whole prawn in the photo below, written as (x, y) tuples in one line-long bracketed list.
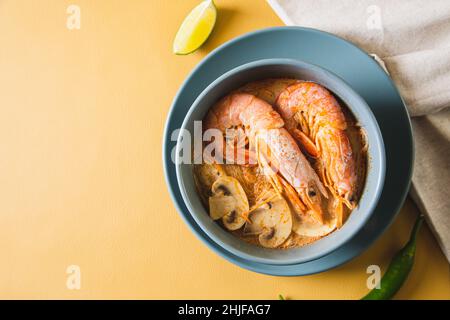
[(313, 116), (275, 150)]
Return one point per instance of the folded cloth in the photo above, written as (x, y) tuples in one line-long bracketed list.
[(412, 39)]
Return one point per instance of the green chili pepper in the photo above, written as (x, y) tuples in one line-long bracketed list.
[(398, 269)]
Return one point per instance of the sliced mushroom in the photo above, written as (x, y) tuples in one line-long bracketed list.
[(204, 176), (207, 174), (272, 222), (306, 225), (233, 220), (220, 205), (228, 202)]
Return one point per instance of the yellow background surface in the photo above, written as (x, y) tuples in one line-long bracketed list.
[(81, 179)]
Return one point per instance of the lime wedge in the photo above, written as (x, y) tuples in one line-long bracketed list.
[(195, 28)]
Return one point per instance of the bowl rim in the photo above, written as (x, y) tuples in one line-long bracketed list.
[(379, 178)]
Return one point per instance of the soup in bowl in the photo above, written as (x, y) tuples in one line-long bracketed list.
[(280, 161)]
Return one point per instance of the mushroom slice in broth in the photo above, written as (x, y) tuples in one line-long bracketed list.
[(306, 226), (272, 222), (220, 206), (228, 202)]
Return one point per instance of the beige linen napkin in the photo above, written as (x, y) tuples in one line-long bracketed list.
[(412, 38)]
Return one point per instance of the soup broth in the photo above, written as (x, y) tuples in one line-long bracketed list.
[(255, 184)]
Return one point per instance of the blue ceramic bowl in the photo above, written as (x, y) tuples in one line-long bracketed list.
[(277, 68)]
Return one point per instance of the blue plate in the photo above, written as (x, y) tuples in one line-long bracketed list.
[(361, 72)]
